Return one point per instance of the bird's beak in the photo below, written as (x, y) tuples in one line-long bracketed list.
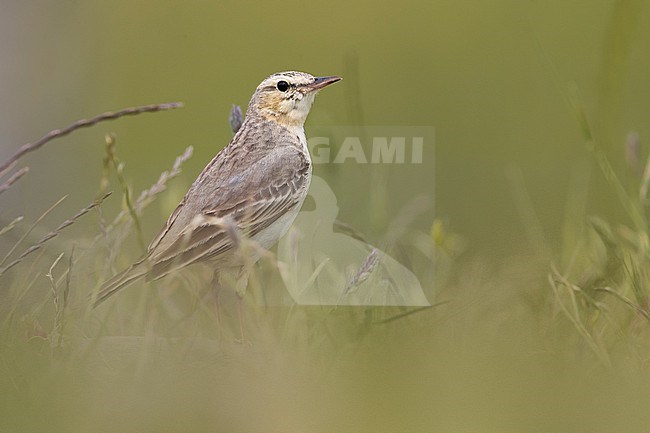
[(320, 82)]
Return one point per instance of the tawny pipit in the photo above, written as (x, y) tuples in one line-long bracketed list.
[(255, 185)]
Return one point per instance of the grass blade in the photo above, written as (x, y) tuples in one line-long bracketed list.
[(24, 236), (51, 234), (13, 179), (84, 123)]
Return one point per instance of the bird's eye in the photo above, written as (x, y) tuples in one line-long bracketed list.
[(282, 86)]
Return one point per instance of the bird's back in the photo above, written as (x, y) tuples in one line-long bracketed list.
[(239, 175)]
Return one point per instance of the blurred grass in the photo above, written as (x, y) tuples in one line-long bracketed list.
[(540, 317), (501, 349)]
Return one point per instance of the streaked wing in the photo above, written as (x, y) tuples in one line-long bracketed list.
[(252, 199)]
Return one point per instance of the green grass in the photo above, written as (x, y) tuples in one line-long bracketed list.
[(557, 341)]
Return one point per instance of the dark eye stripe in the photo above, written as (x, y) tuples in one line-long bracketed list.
[(274, 86)]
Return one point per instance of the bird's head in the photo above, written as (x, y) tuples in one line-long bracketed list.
[(286, 97)]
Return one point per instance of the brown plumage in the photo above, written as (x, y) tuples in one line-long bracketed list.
[(254, 185)]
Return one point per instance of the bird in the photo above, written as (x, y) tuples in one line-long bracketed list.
[(254, 186)]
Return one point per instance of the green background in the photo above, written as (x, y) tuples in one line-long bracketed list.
[(509, 173), (490, 76)]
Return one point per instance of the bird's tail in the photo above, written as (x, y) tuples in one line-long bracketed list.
[(120, 281)]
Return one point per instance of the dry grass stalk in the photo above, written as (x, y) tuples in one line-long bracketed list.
[(7, 169), (51, 234), (27, 233), (11, 225), (364, 271), (55, 296), (147, 196), (66, 292), (84, 123), (60, 304), (13, 179), (128, 200)]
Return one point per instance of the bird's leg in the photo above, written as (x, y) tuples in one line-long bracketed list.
[(216, 289), (240, 288)]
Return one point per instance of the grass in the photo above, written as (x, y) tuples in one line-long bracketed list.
[(556, 342)]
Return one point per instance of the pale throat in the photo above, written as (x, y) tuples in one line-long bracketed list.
[(289, 112)]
